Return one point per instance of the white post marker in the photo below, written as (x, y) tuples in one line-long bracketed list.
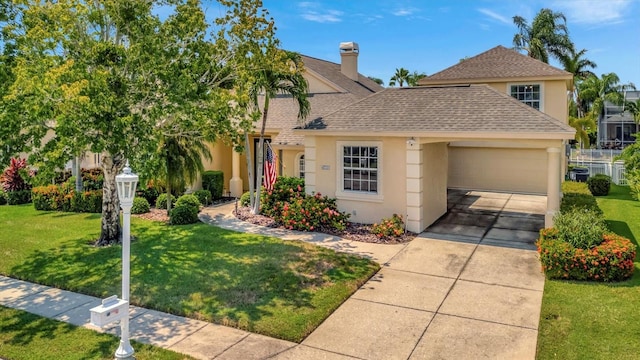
[(126, 183)]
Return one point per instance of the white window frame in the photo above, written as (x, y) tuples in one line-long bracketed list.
[(540, 101), (300, 165), (343, 194)]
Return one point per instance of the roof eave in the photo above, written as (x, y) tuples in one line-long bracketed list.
[(461, 135)]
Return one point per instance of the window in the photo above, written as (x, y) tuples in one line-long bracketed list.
[(528, 94), (301, 166), (360, 168)]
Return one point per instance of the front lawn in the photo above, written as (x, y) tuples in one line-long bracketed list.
[(586, 320), (27, 336), (283, 289)]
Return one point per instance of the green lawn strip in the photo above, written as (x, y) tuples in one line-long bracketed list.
[(25, 336), (283, 289), (587, 320)]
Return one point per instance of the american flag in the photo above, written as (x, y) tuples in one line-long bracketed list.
[(269, 168)]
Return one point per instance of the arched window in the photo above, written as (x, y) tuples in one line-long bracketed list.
[(300, 165)]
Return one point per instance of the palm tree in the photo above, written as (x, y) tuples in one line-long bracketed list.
[(583, 125), (400, 77), (634, 108), (182, 156), (595, 91), (414, 77), (278, 77), (376, 80), (575, 63), (547, 35)]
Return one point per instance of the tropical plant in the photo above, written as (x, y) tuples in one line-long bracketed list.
[(547, 35), (13, 177), (633, 107), (400, 77), (575, 63), (376, 80), (285, 77), (414, 77), (583, 126), (595, 91)]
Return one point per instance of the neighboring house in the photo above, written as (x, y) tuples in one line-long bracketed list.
[(331, 86), (616, 126), (497, 121)]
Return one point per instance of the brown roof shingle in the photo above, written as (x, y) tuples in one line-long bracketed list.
[(431, 110), (331, 71), (496, 63)]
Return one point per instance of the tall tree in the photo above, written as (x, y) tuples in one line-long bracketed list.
[(547, 35), (107, 75), (376, 80), (400, 77), (414, 77), (583, 126), (633, 107), (578, 65), (282, 76), (595, 91)]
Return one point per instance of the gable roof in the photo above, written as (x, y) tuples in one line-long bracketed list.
[(497, 63), (283, 110), (331, 72), (455, 111)]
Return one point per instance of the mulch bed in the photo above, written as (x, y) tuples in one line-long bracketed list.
[(354, 231)]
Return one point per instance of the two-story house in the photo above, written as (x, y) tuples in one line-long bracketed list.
[(497, 121)]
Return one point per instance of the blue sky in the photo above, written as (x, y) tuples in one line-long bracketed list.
[(428, 36)]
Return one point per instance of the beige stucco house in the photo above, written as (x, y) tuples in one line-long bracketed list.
[(497, 121)]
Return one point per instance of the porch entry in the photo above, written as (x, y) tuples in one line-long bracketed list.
[(256, 143)]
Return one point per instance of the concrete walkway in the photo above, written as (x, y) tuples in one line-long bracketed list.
[(453, 292)]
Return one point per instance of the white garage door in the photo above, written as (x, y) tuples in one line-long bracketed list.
[(498, 169)]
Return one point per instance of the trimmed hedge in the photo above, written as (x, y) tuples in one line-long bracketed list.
[(18, 197), (3, 197), (185, 211), (140, 206), (577, 196), (213, 181), (612, 260), (204, 196), (61, 198), (599, 184), (161, 201)]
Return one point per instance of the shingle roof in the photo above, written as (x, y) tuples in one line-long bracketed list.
[(331, 71), (283, 110), (500, 63), (430, 110), (283, 113)]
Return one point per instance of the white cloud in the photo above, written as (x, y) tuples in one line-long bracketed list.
[(594, 11), (404, 11), (495, 16), (313, 12)]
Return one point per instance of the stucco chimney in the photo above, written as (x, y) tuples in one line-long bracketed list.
[(349, 59)]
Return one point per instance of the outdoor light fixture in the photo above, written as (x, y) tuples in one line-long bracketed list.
[(126, 183), (411, 141)]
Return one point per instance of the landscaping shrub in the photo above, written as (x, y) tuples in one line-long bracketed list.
[(245, 199), (389, 227), (92, 179), (577, 195), (204, 196), (140, 206), (161, 201), (182, 215), (574, 187), (188, 200), (582, 228), (633, 180), (285, 189), (18, 197), (65, 198), (309, 213), (150, 193), (599, 184), (15, 176), (214, 182), (612, 260), (3, 197)]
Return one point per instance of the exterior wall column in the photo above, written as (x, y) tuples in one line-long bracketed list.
[(553, 184), (235, 184), (415, 184)]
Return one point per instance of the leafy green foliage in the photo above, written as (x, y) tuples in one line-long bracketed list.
[(581, 228), (150, 193), (213, 181), (285, 189), (575, 187), (599, 184), (3, 197), (576, 195), (65, 198), (189, 200), (389, 227), (140, 206), (18, 197), (546, 35), (161, 201), (183, 214), (244, 199), (204, 196)]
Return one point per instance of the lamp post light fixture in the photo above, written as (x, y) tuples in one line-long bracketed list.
[(126, 184)]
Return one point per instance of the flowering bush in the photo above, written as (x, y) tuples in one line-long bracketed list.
[(307, 213), (612, 260), (390, 227), (65, 198), (14, 176)]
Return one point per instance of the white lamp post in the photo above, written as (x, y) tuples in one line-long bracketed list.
[(126, 183)]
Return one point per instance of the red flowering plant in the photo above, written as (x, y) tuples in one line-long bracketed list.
[(389, 227)]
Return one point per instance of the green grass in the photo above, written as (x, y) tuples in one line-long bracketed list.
[(586, 320), (27, 336), (283, 289)]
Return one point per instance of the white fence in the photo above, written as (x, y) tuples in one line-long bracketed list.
[(578, 155), (613, 169)]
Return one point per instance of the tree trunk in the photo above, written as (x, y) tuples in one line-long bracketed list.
[(111, 232), (168, 197), (260, 156), (247, 152)]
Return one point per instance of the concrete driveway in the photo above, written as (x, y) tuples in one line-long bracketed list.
[(470, 287)]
